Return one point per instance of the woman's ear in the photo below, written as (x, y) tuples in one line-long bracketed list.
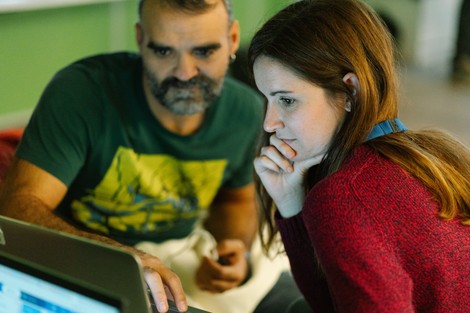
[(352, 81)]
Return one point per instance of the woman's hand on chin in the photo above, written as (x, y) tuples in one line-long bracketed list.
[(283, 178)]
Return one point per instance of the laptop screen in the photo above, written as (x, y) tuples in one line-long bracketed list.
[(25, 289)]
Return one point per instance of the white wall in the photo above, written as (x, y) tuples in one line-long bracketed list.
[(428, 30), (405, 15), (436, 34)]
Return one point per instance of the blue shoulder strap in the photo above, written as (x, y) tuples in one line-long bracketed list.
[(386, 127)]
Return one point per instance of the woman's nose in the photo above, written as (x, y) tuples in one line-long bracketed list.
[(272, 121)]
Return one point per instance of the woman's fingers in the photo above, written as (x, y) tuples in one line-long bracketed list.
[(270, 158), (282, 147)]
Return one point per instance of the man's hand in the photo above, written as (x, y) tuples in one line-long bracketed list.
[(163, 283), (229, 271)]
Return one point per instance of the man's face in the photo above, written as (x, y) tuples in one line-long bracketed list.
[(185, 56)]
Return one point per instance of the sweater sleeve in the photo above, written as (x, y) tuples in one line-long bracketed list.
[(304, 266), (356, 252)]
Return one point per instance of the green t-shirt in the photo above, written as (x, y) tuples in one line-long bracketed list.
[(129, 177)]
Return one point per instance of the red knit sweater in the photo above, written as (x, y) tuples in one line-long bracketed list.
[(380, 243)]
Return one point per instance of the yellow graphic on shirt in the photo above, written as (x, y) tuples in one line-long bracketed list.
[(149, 193)]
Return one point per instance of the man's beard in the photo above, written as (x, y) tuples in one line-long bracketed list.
[(185, 97)]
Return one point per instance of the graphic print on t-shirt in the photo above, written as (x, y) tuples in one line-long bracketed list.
[(142, 193)]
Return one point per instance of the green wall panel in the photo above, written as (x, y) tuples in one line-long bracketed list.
[(35, 44)]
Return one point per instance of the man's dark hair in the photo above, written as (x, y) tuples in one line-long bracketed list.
[(191, 6)]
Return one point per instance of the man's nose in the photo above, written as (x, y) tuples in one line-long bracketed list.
[(186, 68)]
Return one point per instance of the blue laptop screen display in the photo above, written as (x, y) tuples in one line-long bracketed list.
[(24, 293)]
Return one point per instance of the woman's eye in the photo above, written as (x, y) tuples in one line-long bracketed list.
[(287, 102)]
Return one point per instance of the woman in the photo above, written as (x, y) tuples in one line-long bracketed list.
[(373, 216)]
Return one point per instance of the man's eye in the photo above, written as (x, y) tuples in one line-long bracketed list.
[(203, 52), (162, 52)]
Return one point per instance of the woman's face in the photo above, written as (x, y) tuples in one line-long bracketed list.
[(298, 112)]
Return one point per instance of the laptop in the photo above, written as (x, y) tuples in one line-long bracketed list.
[(45, 271)]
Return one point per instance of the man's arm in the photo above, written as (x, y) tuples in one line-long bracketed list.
[(32, 194), (233, 215), (233, 221)]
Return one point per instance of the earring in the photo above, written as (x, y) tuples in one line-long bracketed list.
[(233, 57), (347, 107)]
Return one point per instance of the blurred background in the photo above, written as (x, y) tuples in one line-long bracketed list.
[(38, 37)]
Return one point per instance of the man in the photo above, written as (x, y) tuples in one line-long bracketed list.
[(126, 148)]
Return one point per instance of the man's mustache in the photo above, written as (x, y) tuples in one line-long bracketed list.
[(174, 82)]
